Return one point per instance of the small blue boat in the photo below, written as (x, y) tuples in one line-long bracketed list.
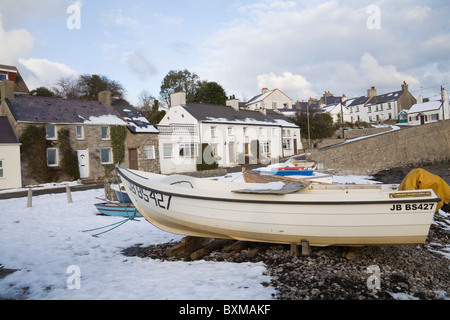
[(287, 171), (117, 209)]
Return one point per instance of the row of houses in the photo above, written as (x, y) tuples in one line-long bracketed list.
[(235, 136), (398, 106)]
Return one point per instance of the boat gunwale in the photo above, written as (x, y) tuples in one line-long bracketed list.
[(289, 202)]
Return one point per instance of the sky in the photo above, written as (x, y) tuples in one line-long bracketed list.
[(303, 48)]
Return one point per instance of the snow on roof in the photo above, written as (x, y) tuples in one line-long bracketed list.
[(105, 119), (426, 106)]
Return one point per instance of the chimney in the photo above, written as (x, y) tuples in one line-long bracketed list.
[(105, 98), (420, 99), (234, 103), (264, 90), (372, 92), (404, 87), (7, 90), (178, 99)]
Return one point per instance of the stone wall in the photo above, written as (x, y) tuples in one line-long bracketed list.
[(414, 146), (139, 141)]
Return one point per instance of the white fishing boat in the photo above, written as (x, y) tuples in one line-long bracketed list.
[(279, 212)]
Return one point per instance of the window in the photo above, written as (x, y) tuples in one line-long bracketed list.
[(3, 77), (434, 117), (149, 152), (167, 150), (2, 172), (287, 144), (50, 131), (213, 131), (230, 131), (80, 132), (245, 131), (106, 155), (265, 147), (274, 105), (105, 133), (52, 157), (214, 149), (187, 150)]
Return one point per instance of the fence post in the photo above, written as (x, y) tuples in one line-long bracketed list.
[(69, 194), (30, 198)]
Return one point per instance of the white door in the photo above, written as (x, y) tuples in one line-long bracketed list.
[(83, 163)]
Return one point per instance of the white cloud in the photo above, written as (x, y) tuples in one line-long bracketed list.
[(387, 75), (15, 43), (43, 73), (294, 85), (327, 43)]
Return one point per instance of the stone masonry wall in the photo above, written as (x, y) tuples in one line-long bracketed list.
[(418, 145)]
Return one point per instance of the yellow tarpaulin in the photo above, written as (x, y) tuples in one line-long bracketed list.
[(421, 179)]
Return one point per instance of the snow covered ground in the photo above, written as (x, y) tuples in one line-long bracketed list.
[(57, 259)]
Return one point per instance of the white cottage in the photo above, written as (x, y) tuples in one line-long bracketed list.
[(235, 135), (10, 170)]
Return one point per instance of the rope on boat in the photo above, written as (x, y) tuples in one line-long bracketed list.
[(117, 224)]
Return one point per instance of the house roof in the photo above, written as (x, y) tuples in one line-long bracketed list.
[(224, 114), (7, 135), (426, 106), (136, 122), (57, 110), (386, 97), (263, 96)]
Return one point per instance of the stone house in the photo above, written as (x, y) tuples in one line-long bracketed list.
[(236, 136), (88, 123), (141, 143)]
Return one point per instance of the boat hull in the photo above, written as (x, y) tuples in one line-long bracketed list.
[(117, 209), (349, 215)]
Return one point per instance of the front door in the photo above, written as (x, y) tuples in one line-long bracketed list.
[(132, 153), (83, 163)]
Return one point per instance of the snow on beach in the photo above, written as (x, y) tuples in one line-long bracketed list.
[(47, 244)]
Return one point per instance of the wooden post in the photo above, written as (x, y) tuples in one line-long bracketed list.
[(30, 198), (69, 194), (294, 249), (305, 248)]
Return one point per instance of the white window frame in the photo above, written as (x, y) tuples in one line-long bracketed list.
[(213, 131), (265, 147), (167, 147), (108, 135), (79, 137), (187, 150), (56, 157), (149, 152), (47, 127), (110, 156)]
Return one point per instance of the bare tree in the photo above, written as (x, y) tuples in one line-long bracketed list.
[(67, 88)]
